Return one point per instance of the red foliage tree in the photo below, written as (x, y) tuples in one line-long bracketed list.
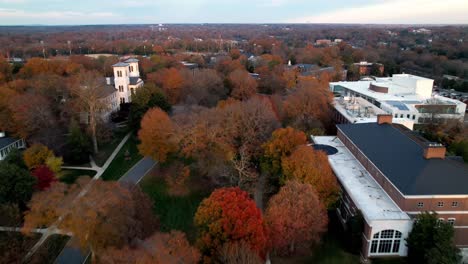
[(227, 216), (45, 177)]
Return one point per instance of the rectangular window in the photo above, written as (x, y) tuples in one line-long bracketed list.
[(401, 116), (396, 246), (396, 115), (454, 204), (408, 116), (385, 246), (440, 204), (420, 205), (451, 221), (439, 221), (414, 117), (373, 248)]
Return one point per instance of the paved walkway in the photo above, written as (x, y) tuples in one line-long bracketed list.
[(99, 171), (71, 254)]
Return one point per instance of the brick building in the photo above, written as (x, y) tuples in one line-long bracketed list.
[(390, 176)]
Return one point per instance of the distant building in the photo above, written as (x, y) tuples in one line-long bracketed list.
[(190, 65), (305, 69), (365, 68), (7, 144), (390, 176), (323, 42), (404, 96), (422, 31)]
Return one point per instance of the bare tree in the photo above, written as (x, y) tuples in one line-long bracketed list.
[(88, 88)]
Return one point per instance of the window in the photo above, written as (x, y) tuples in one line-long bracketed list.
[(454, 204), (451, 221), (414, 117), (408, 116), (119, 73), (396, 115), (440, 204), (121, 89), (387, 241), (439, 221), (420, 205), (122, 100), (401, 116)]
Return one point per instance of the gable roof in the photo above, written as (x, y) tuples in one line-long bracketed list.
[(132, 60), (5, 141), (120, 64), (400, 158)]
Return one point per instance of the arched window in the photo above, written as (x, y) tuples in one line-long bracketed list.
[(386, 241)]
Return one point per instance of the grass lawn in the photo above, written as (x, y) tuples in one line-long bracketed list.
[(174, 212), (106, 150), (70, 176), (15, 245), (49, 251), (119, 166)]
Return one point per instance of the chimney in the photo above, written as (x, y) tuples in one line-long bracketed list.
[(434, 151), (384, 119), (108, 80)]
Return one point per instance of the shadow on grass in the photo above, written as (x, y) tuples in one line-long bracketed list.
[(122, 163)]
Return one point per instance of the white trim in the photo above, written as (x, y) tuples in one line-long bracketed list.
[(439, 212), (460, 227), (447, 196), (370, 174)]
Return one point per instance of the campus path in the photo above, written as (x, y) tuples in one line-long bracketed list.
[(99, 171), (71, 254)]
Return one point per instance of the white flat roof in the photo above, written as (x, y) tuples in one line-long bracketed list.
[(398, 93), (357, 109), (368, 196)]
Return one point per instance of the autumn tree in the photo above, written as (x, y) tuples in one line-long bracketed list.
[(143, 99), (171, 81), (229, 215), (238, 253), (203, 86), (282, 143), (157, 135), (243, 85), (296, 218), (45, 177), (107, 215), (308, 106), (36, 155), (309, 166), (87, 87), (32, 116), (160, 248), (177, 176)]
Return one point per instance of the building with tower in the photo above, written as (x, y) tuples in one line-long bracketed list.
[(126, 79)]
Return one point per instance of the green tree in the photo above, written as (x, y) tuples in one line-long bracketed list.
[(16, 184), (147, 97), (431, 241), (78, 145), (15, 157)]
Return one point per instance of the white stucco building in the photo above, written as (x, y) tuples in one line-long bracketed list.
[(405, 96), (126, 79)]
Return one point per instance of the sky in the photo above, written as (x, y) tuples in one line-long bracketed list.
[(85, 12)]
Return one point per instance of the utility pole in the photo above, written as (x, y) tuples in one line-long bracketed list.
[(43, 50), (69, 46)]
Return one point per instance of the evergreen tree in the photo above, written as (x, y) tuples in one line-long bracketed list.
[(78, 145)]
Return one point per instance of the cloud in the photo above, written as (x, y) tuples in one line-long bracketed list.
[(396, 12), (57, 17)]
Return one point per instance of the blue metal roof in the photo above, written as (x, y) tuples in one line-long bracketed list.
[(398, 104)]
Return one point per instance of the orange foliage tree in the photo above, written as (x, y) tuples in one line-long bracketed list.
[(171, 82), (243, 85), (157, 135), (296, 218), (160, 248), (37, 155), (281, 144), (308, 106), (309, 166), (229, 215), (107, 214)]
